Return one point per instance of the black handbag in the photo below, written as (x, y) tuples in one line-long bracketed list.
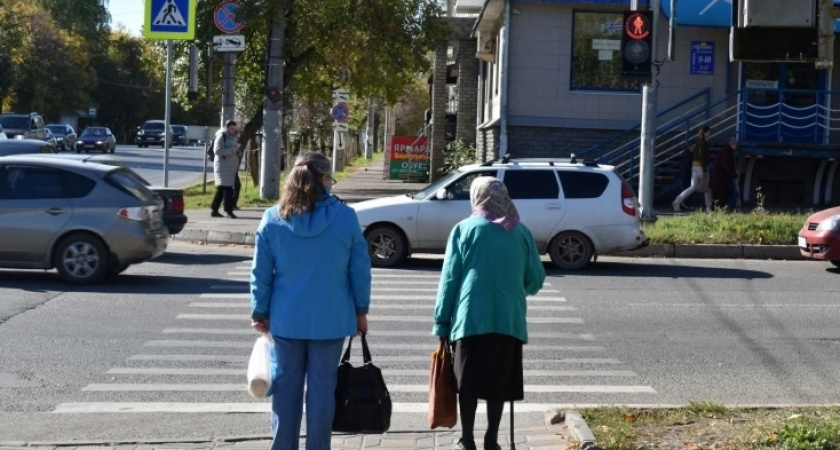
[(362, 402)]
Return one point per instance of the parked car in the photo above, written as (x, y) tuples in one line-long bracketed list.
[(575, 211), (819, 238), (24, 146), (27, 126), (64, 134), (179, 135), (2, 133), (96, 138), (173, 198), (88, 221), (50, 139), (152, 133)]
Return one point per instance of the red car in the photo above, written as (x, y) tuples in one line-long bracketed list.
[(819, 238)]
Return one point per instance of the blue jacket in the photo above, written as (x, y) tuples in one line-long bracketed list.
[(487, 272), (311, 274)]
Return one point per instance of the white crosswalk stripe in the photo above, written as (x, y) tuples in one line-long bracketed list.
[(203, 356)]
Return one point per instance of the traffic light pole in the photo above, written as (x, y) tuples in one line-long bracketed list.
[(648, 135)]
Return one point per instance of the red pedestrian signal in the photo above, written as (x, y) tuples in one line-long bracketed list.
[(636, 45)]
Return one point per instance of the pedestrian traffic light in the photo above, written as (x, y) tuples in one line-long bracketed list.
[(636, 45)]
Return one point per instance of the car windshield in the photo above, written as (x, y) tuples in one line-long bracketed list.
[(93, 132), (18, 122), (154, 126), (432, 188), (57, 130)]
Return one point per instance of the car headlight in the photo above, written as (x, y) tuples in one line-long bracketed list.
[(830, 224)]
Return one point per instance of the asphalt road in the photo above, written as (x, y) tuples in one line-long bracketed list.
[(185, 164), (160, 352)]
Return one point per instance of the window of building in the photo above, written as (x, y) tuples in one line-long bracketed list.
[(596, 54)]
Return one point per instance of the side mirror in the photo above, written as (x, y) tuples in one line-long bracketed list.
[(442, 194)]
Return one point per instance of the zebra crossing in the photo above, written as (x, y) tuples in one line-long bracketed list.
[(198, 364)]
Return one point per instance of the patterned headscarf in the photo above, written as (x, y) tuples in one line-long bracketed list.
[(489, 199)]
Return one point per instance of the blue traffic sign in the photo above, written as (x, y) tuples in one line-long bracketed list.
[(170, 19), (340, 112), (227, 18)]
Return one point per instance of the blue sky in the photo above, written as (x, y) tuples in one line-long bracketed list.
[(129, 13)]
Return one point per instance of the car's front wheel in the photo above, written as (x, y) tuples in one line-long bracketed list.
[(835, 262), (387, 246), (570, 250), (81, 259)]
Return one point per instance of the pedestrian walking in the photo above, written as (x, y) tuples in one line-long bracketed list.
[(310, 288), (723, 176), (699, 164), (491, 264), (225, 169)]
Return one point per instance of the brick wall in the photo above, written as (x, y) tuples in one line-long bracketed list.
[(467, 91), (538, 142)]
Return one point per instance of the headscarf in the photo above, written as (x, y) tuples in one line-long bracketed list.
[(489, 199)]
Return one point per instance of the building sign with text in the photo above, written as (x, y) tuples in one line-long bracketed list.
[(408, 159)]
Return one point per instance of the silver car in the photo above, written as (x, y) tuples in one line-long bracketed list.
[(88, 221)]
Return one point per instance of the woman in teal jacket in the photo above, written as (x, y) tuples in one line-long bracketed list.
[(491, 264), (310, 288)]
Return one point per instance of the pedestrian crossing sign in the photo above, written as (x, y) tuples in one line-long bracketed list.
[(170, 19)]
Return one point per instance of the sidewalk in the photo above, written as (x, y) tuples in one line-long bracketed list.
[(367, 183)]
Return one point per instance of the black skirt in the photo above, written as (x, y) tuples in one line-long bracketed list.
[(489, 367)]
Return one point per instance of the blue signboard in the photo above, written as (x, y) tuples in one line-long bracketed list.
[(170, 19), (702, 58)]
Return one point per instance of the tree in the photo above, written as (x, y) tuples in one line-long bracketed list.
[(59, 77)]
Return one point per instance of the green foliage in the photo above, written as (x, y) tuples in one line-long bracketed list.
[(722, 228), (457, 154), (806, 434), (707, 407)]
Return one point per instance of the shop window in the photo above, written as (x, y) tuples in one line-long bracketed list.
[(596, 57)]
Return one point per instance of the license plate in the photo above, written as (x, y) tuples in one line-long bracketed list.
[(802, 242), (150, 138), (89, 145)]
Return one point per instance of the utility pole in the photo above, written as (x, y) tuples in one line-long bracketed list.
[(228, 82), (272, 110), (648, 134)]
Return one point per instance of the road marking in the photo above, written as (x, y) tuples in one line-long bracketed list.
[(374, 306), (379, 359), (416, 319), (226, 287), (387, 373), (393, 388), (207, 331), (189, 372), (388, 275), (387, 333), (377, 347), (247, 296), (264, 406)]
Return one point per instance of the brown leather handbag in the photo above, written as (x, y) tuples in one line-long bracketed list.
[(443, 400)]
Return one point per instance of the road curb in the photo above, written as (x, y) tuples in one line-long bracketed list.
[(579, 429), (699, 251)]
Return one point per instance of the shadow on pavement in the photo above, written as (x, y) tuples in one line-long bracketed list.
[(204, 259), (637, 269)]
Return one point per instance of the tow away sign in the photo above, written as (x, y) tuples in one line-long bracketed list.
[(229, 43)]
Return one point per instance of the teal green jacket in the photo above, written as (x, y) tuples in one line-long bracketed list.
[(487, 273)]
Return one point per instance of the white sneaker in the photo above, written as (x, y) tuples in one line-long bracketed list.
[(676, 206)]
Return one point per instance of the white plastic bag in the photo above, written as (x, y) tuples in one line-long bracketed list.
[(260, 367)]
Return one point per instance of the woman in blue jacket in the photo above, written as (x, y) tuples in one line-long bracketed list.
[(310, 288), (491, 264)]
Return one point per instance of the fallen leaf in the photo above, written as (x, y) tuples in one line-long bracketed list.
[(772, 438), (795, 416), (628, 418), (690, 446)]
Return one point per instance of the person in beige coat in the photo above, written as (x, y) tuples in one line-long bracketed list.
[(225, 169)]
